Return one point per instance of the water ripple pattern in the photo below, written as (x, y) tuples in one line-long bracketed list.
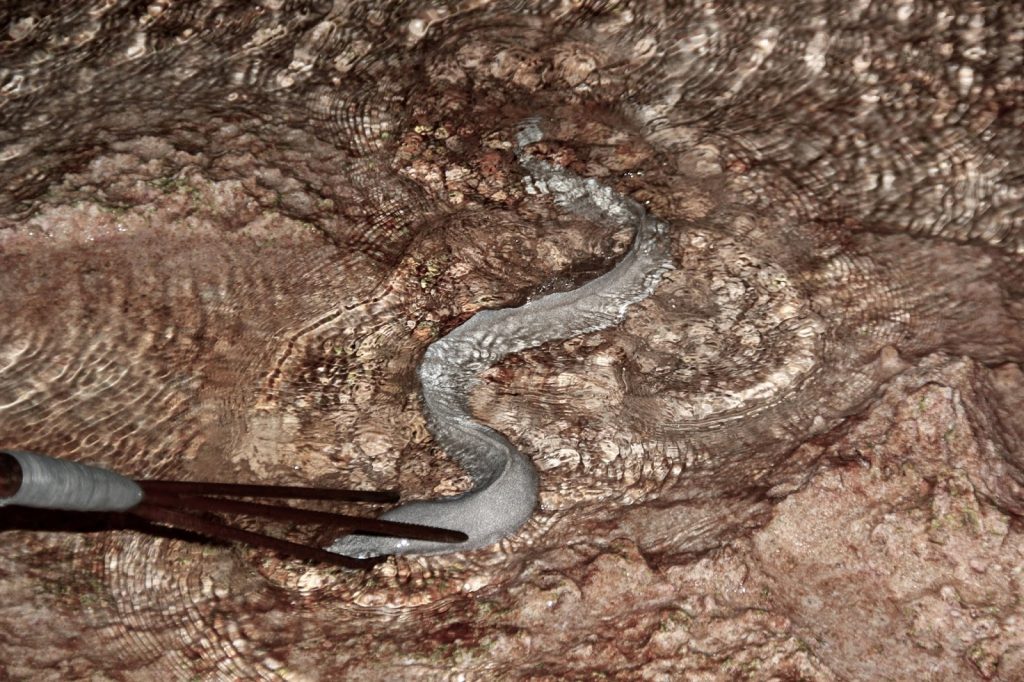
[(292, 242)]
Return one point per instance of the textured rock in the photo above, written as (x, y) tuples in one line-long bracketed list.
[(228, 233), (904, 553)]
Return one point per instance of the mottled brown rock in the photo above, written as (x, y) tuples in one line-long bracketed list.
[(228, 233), (901, 560)]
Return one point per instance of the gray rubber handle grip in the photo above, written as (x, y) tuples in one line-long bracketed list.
[(50, 483)]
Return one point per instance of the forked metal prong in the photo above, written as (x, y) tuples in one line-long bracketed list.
[(308, 516), (43, 482), (222, 531), (278, 491)]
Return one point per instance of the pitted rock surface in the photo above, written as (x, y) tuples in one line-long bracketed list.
[(229, 232)]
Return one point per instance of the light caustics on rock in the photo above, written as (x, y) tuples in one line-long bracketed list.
[(504, 491)]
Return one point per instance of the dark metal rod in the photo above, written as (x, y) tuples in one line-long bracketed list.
[(220, 531), (351, 523), (282, 491), (10, 475)]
